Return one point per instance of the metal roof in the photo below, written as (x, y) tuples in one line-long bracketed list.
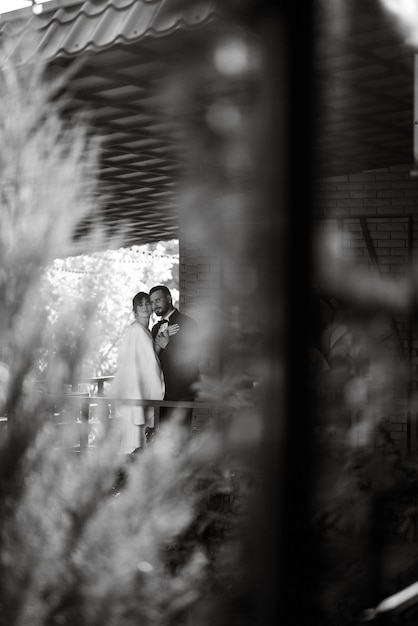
[(70, 27)]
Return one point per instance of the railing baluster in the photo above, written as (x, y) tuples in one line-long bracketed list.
[(105, 406), (156, 417)]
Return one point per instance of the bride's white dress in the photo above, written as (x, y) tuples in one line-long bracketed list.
[(138, 376)]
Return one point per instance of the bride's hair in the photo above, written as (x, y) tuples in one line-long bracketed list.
[(139, 298)]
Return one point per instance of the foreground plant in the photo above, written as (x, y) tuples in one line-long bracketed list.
[(73, 549)]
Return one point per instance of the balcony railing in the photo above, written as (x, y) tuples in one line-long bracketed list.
[(95, 381), (85, 410), (79, 414), (87, 413)]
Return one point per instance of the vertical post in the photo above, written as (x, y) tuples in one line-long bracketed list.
[(411, 414), (84, 410), (416, 113), (287, 548), (100, 387), (156, 417), (84, 426)]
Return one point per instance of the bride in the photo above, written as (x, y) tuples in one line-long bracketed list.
[(138, 375)]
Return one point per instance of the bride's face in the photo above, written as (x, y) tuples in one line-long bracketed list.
[(143, 310)]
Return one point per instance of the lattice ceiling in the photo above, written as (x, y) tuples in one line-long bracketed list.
[(140, 161), (120, 66), (365, 87)]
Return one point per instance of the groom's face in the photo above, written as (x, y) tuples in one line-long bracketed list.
[(161, 303)]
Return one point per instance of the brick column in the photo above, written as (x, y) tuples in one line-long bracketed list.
[(200, 296)]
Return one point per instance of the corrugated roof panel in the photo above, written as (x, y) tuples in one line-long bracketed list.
[(195, 13), (139, 20), (98, 24), (92, 8), (105, 28)]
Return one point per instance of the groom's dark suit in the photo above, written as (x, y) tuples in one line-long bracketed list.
[(179, 360)]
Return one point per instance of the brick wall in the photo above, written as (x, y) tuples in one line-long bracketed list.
[(199, 278), (378, 192), (386, 201)]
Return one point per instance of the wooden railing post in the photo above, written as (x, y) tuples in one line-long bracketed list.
[(84, 428), (156, 417)]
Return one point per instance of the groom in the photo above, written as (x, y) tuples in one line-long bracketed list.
[(179, 359)]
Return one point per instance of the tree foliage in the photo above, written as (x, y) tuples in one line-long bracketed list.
[(113, 278)]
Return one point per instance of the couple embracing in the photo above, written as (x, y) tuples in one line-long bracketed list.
[(154, 365)]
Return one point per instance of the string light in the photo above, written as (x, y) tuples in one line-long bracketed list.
[(36, 8), (113, 261)]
